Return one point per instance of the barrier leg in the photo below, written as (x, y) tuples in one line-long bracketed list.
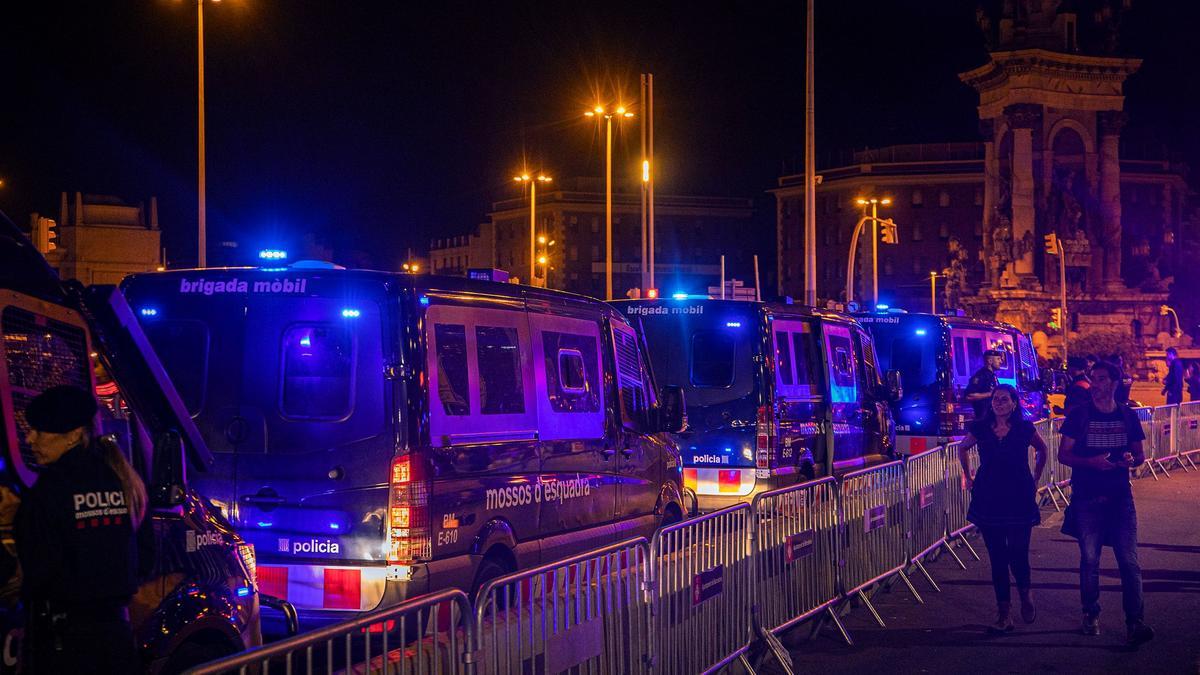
[(1053, 499), (911, 589), (1062, 493), (950, 548), (928, 577), (1162, 467), (963, 536), (1150, 465), (840, 626), (866, 602), (1190, 461)]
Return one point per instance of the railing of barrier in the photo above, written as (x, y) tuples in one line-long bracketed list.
[(1188, 434), (1055, 475), (1145, 415), (795, 553), (1164, 419), (925, 477), (874, 542), (428, 634), (958, 499), (702, 578), (587, 613)]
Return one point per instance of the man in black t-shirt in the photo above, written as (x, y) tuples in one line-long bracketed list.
[(979, 389), (1101, 442)]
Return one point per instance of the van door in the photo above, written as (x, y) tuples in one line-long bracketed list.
[(800, 391), (578, 470), (844, 396), (640, 452), (878, 432)]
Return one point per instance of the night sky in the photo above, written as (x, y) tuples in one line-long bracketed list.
[(379, 125)]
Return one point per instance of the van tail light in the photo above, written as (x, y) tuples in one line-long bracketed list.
[(764, 434), (408, 536)]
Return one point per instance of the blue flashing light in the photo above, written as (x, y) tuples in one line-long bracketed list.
[(264, 523), (149, 311), (273, 269), (243, 591), (272, 254), (729, 450), (306, 341), (733, 324), (882, 307), (680, 296), (424, 300), (334, 526), (920, 331), (351, 313)]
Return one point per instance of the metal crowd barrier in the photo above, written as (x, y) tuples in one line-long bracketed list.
[(1188, 434), (1145, 415), (925, 478), (958, 500), (702, 579), (428, 634), (873, 543), (1055, 476), (587, 613), (795, 549), (1163, 420)]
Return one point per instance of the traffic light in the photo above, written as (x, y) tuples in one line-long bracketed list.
[(45, 235), (888, 232), (1056, 317), (1051, 243)]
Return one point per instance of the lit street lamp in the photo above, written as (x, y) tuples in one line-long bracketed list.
[(533, 181), (1164, 310), (933, 277), (202, 243), (874, 203), (601, 112)]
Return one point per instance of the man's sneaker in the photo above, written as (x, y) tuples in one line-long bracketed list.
[(1139, 634), (1091, 624)]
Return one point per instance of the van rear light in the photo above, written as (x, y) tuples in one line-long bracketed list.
[(408, 535), (249, 560), (764, 434)]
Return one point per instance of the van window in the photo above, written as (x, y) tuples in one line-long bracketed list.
[(630, 378), (186, 362), (869, 373), (712, 359), (499, 354), (960, 358), (452, 368), (801, 373), (783, 357), (318, 372), (572, 377)]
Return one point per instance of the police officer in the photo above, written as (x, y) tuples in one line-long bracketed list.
[(75, 537), (979, 389)]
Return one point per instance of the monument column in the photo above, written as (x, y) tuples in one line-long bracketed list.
[(1109, 124), (991, 174), (1022, 119)]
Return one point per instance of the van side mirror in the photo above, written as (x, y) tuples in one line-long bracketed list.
[(672, 413), (895, 385), (168, 485)]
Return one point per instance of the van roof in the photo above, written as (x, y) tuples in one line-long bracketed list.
[(400, 280), (774, 308), (945, 319)]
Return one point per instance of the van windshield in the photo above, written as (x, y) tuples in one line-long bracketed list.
[(909, 345), (709, 354)]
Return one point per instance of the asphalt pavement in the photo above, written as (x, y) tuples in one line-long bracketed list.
[(947, 634)]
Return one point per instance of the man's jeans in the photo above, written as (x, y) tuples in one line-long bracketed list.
[(1109, 521)]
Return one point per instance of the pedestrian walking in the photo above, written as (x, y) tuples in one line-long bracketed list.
[(1003, 496), (979, 389), (1077, 393), (1173, 382), (1193, 381), (1121, 395), (75, 539), (1102, 442)]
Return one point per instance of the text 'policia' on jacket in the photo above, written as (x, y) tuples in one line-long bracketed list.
[(196, 597), (776, 393), (937, 354), (378, 436)]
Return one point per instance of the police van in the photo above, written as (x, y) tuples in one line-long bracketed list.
[(378, 436), (937, 354), (197, 598), (776, 393)]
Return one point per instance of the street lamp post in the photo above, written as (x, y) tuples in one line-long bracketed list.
[(598, 112), (533, 181), (202, 244), (889, 229), (933, 291), (874, 203)]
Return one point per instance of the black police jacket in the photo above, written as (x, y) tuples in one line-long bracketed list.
[(74, 536)]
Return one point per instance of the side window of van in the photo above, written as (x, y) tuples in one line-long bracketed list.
[(187, 361), (868, 375), (499, 355), (799, 355), (318, 372), (452, 375), (630, 377), (572, 376), (783, 358), (570, 383)]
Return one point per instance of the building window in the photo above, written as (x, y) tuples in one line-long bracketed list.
[(888, 267), (943, 198), (979, 229), (828, 234), (918, 199), (837, 203), (978, 196), (917, 234), (787, 208), (944, 231), (595, 224), (574, 253), (918, 266), (595, 253)]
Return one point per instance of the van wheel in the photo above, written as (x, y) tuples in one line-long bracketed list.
[(671, 515), (494, 566), (191, 654)]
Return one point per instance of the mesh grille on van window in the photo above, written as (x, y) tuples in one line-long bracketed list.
[(40, 353)]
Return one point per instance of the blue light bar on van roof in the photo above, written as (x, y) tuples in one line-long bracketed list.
[(351, 313), (424, 300), (920, 331), (243, 591), (680, 296), (149, 311), (733, 324), (882, 307), (272, 254)]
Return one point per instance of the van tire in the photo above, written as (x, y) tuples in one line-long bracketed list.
[(671, 514), (194, 653), (495, 564)]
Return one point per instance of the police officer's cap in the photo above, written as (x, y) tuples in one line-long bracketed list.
[(61, 409), (993, 352)]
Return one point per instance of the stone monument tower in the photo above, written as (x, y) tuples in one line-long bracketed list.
[(1050, 110)]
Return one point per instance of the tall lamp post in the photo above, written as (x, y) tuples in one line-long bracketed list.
[(202, 218), (874, 203), (933, 276), (533, 182), (600, 112)]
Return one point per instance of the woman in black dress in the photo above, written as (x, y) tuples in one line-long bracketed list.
[(1003, 496)]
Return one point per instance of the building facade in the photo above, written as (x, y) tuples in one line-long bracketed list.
[(691, 235), (973, 217), (455, 255), (99, 239)]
